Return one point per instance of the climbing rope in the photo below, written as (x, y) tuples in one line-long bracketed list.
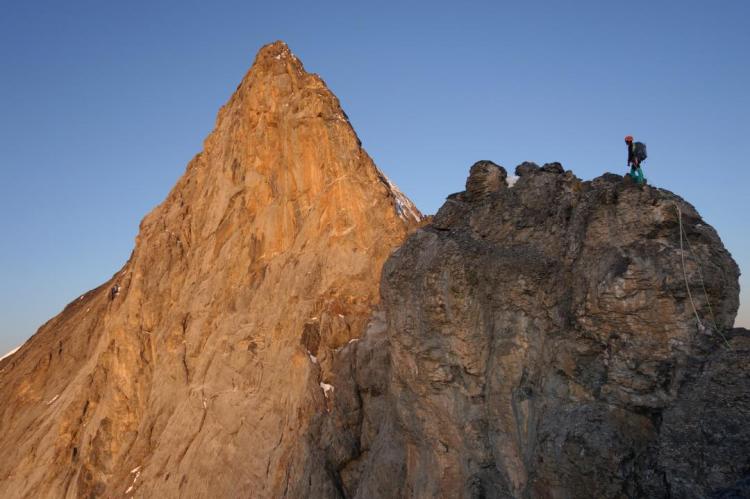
[(703, 284), (700, 275), (684, 272)]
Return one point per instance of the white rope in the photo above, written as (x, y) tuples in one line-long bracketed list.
[(684, 272), (703, 282)]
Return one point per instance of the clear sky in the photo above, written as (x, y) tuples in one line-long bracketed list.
[(102, 104)]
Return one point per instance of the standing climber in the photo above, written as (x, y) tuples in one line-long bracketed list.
[(636, 154), (114, 291)]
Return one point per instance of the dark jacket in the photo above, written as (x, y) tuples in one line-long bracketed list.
[(632, 160)]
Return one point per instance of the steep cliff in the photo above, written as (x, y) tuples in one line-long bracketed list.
[(540, 341), (199, 367)]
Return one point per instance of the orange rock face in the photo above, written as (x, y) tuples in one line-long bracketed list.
[(201, 372)]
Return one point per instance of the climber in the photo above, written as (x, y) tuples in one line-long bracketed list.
[(636, 154), (114, 291)]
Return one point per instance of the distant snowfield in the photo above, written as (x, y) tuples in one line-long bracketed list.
[(10, 353)]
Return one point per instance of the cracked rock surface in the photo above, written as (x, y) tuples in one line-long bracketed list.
[(541, 343)]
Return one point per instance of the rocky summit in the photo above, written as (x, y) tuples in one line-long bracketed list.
[(289, 325), (541, 341)]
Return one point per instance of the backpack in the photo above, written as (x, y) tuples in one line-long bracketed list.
[(639, 150)]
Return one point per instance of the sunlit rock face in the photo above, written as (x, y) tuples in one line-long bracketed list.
[(197, 370), (541, 342)]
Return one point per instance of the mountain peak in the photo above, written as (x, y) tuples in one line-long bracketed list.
[(277, 50), (220, 330), (275, 100), (276, 58)]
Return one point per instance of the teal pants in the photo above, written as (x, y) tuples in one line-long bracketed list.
[(636, 174)]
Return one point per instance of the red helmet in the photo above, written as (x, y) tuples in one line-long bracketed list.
[(628, 138)]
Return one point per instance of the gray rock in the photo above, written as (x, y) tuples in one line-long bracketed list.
[(541, 343), (608, 178), (553, 168), (485, 177), (526, 168), (705, 436)]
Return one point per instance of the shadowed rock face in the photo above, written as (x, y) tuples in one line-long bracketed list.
[(541, 343), (202, 375)]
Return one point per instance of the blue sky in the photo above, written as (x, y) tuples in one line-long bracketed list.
[(102, 104)]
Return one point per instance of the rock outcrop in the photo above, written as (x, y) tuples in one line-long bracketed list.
[(198, 370), (541, 342)]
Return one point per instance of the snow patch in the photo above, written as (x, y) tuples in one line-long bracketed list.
[(313, 358), (10, 353), (399, 207), (512, 179), (326, 388), (137, 472), (405, 209), (53, 399), (353, 340)]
